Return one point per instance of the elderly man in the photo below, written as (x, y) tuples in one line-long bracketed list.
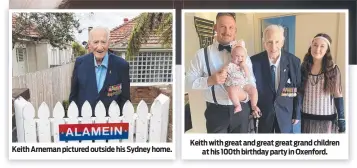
[(207, 72), (277, 74), (100, 75)]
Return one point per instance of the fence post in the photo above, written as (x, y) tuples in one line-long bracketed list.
[(44, 126), (159, 119), (58, 118), (100, 116), (19, 104), (24, 93), (72, 114), (114, 117), (142, 122), (128, 117), (86, 116), (29, 123), (165, 101)]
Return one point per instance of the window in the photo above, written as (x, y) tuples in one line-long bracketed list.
[(20, 54), (151, 67)]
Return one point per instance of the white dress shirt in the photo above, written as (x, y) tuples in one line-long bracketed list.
[(197, 74), (277, 71)]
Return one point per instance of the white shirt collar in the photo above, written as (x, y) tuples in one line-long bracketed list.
[(216, 44), (277, 63)]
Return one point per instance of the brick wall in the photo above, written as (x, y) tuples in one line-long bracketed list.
[(146, 93)]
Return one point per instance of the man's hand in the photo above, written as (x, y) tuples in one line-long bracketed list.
[(256, 112), (294, 121), (219, 77)]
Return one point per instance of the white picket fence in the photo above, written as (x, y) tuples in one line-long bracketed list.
[(144, 125)]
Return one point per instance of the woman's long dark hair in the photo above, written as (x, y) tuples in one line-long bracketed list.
[(330, 74)]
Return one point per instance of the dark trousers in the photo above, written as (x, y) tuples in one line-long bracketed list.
[(222, 119), (276, 128)]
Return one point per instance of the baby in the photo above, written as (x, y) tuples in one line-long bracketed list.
[(237, 83)]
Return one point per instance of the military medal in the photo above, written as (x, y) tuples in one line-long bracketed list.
[(295, 92), (119, 89), (289, 92)]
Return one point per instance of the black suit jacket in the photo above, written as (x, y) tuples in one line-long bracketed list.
[(285, 108), (84, 84)]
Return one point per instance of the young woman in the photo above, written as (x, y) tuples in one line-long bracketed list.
[(322, 100)]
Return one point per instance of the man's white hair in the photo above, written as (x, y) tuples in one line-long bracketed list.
[(96, 29), (273, 27)]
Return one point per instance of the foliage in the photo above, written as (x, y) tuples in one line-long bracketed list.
[(57, 28), (147, 25), (78, 49)]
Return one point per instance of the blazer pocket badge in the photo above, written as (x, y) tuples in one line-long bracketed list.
[(114, 90), (289, 92)]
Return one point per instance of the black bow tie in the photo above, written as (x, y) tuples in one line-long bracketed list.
[(222, 47)]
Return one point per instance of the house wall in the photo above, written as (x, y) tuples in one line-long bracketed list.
[(31, 57), (153, 68), (57, 56), (42, 56), (15, 65), (39, 57), (246, 31), (30, 60), (191, 44), (249, 29), (29, 64), (14, 62), (52, 56), (67, 55)]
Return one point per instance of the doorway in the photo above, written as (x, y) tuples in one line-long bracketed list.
[(288, 23)]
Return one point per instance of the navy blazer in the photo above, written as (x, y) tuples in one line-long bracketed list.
[(285, 108), (84, 84)]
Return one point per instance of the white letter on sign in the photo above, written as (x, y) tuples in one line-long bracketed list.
[(105, 131), (69, 131), (95, 132), (86, 132)]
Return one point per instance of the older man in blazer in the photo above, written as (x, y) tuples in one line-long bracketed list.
[(100, 75), (277, 74)]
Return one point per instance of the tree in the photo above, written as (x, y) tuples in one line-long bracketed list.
[(78, 49), (149, 24), (57, 28)]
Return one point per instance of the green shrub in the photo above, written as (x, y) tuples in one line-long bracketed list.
[(65, 104)]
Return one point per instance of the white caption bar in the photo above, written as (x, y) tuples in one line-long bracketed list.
[(95, 151), (265, 146)]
